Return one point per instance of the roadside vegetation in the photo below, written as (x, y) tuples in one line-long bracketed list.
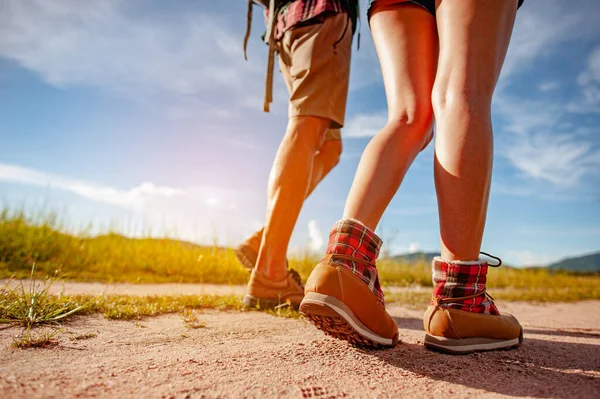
[(45, 242)]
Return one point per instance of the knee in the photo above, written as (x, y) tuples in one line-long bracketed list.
[(412, 123), (307, 131), (331, 151), (470, 100)]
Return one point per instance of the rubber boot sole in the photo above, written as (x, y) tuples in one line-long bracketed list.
[(469, 345), (243, 259), (335, 319)]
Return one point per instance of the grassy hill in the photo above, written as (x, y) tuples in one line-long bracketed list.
[(416, 257), (54, 250), (581, 264)]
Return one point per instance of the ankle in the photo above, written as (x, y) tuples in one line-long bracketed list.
[(357, 248), (353, 238), (459, 279)]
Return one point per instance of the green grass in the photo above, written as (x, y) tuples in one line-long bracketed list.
[(121, 307), (34, 305), (108, 258), (29, 339), (43, 240)]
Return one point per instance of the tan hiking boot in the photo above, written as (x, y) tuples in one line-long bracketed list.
[(470, 322), (342, 305), (458, 331), (264, 293), (247, 252), (343, 296)]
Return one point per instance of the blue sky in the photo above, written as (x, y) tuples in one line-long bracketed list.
[(143, 117)]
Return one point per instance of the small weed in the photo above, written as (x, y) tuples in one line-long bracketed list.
[(124, 307), (81, 337), (30, 340), (35, 305), (191, 320), (283, 310)]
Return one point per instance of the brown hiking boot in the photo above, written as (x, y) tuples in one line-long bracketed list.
[(247, 252), (343, 296), (462, 317), (264, 293)]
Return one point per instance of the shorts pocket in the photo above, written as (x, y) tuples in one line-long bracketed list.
[(344, 32)]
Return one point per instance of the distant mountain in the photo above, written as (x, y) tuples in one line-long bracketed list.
[(415, 257), (582, 264)]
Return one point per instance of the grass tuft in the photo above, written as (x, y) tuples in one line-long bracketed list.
[(191, 320), (28, 339), (34, 305), (81, 337)]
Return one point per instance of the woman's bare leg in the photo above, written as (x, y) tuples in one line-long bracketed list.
[(405, 37), (474, 37)]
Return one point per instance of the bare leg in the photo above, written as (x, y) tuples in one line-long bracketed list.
[(474, 37), (288, 186), (325, 160), (406, 41)]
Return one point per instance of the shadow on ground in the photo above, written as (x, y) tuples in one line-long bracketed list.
[(539, 368)]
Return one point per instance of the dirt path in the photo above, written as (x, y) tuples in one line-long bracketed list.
[(93, 288), (253, 354)]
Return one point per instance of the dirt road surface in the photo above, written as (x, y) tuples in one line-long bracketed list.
[(253, 354)]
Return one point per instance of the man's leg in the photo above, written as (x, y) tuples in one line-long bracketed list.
[(289, 183), (325, 160), (314, 61)]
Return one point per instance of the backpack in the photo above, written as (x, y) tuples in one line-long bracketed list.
[(274, 6)]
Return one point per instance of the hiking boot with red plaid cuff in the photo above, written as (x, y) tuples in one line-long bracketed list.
[(462, 317), (343, 296)]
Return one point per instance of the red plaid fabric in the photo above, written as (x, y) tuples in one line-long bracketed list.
[(351, 237), (299, 11), (454, 280)]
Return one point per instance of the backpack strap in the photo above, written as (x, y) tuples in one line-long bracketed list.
[(273, 11), (248, 28)]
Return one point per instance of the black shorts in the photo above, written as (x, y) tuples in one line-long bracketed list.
[(429, 5)]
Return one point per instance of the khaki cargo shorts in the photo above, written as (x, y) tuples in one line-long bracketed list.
[(314, 60)]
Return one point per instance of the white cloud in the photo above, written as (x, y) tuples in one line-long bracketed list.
[(589, 86), (541, 145), (549, 86), (527, 258), (112, 44), (414, 247), (541, 30), (365, 125), (559, 159), (198, 213), (592, 72), (135, 197), (314, 233)]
